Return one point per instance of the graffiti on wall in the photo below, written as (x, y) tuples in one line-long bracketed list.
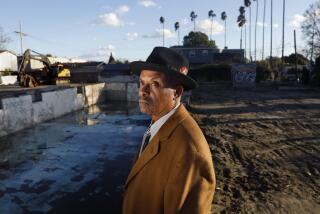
[(244, 75)]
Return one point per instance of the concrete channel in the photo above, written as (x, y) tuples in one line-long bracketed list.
[(72, 164)]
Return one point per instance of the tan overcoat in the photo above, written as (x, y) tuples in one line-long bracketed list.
[(174, 174)]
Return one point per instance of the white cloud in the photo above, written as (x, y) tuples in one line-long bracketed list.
[(185, 21), (260, 24), (122, 9), (147, 3), (158, 34), (276, 25), (102, 53), (132, 36), (297, 20), (113, 18), (205, 26)]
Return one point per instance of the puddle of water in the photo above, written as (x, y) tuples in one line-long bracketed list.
[(70, 161)]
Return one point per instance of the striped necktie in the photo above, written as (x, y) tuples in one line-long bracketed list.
[(145, 140)]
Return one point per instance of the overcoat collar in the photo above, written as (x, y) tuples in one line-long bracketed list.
[(153, 148)]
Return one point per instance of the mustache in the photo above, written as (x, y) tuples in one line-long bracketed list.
[(145, 99)]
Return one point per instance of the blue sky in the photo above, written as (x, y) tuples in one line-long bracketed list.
[(130, 29)]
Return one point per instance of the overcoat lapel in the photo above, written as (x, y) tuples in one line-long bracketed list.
[(154, 146)]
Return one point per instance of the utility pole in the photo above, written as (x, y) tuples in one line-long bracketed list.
[(21, 34), (283, 21)]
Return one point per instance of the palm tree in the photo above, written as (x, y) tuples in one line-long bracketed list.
[(211, 15), (193, 17), (241, 22), (177, 28), (263, 27), (162, 22), (224, 18), (247, 3), (255, 31)]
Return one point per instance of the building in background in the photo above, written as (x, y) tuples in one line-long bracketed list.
[(8, 61), (207, 55)]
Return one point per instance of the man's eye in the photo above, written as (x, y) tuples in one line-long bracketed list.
[(155, 84)]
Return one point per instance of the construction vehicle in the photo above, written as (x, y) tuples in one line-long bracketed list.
[(49, 74)]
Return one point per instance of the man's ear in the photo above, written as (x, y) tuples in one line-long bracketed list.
[(178, 92)]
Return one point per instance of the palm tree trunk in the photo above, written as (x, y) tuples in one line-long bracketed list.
[(178, 36), (211, 28), (283, 21), (163, 34), (250, 35), (245, 41), (271, 30), (225, 33), (255, 33), (263, 27), (194, 25), (241, 38)]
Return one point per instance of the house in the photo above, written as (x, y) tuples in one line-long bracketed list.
[(208, 55), (8, 61)]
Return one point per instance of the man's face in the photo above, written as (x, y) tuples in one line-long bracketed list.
[(155, 97)]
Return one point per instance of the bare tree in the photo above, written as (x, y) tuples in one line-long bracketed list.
[(4, 40), (311, 29)]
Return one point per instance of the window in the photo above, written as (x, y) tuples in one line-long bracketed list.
[(205, 53), (192, 53)]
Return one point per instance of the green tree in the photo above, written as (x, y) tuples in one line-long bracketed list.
[(112, 60), (291, 59), (198, 39), (162, 22), (211, 15)]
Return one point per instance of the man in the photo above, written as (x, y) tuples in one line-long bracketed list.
[(173, 172)]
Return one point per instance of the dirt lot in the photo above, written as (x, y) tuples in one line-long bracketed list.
[(265, 145)]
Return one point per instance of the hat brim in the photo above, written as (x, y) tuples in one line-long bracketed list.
[(187, 82)]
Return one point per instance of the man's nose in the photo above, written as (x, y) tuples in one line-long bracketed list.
[(144, 89)]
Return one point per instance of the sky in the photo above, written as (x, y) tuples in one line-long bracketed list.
[(92, 29)]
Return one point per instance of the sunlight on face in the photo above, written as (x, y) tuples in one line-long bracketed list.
[(155, 98)]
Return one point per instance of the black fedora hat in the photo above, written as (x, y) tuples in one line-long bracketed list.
[(169, 62)]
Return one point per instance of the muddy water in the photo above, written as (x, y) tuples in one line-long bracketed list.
[(74, 164)]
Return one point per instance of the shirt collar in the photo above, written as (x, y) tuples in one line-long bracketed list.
[(155, 127)]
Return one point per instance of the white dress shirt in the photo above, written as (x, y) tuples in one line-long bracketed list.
[(155, 127)]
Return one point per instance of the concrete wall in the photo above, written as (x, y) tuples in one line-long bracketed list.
[(121, 91), (17, 113)]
